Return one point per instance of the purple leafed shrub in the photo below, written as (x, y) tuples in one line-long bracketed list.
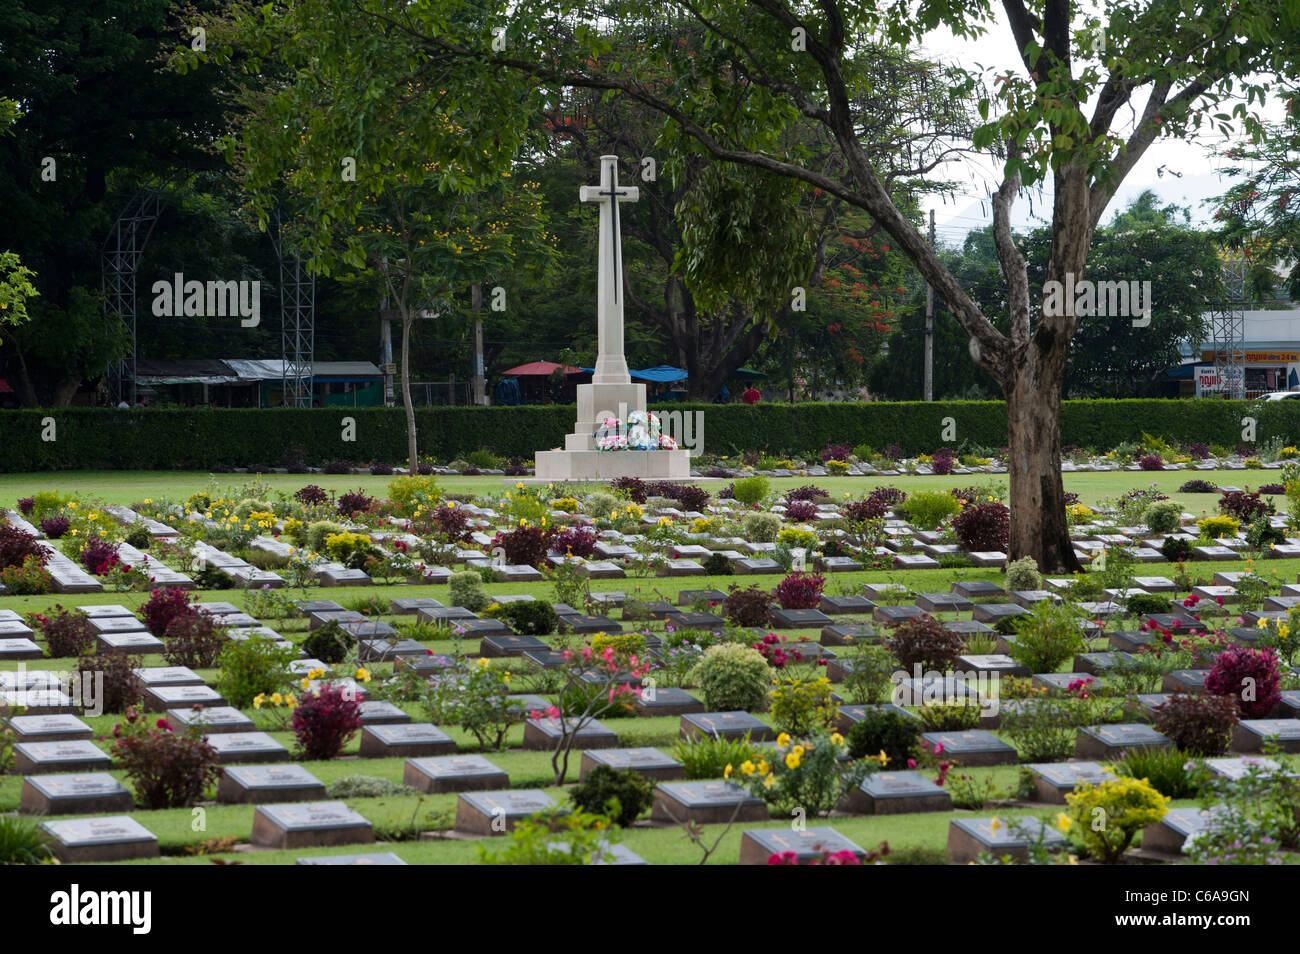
[(55, 527), (1251, 676), (354, 501), (800, 511), (578, 541), (323, 723), (163, 606), (810, 492), (1197, 450), (99, 556), (1198, 487), (889, 496), (1272, 489), (312, 496), (983, 528), (17, 545), (381, 469), (835, 452), (26, 505), (800, 590), (1242, 505), (1151, 462), (941, 465)]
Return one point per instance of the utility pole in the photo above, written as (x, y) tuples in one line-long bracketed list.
[(927, 380), (478, 381)]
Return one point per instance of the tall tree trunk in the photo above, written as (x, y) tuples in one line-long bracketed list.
[(411, 451)]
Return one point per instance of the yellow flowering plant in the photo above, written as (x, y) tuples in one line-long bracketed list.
[(805, 774), (1103, 818)]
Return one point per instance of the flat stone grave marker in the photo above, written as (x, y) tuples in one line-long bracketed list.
[(105, 612), (1290, 704), (13, 628), (453, 773), (87, 840), (695, 620), (1129, 641), (896, 793), (246, 747), (977, 589), (799, 618), (1238, 768), (545, 659), (1059, 682), (897, 614), (19, 648), (1148, 702), (943, 603), (495, 813), (31, 679), (162, 698), (135, 644), (408, 605), (848, 716), (217, 608), (840, 564), (1184, 680), (511, 573), (1170, 834), (1054, 780), (666, 701), (506, 645), (301, 667), (974, 747), (87, 794), (612, 598), (387, 650), (544, 734), (1109, 742), (589, 624), (307, 607), (40, 701), (50, 728), (335, 575), (969, 627), (155, 676), (916, 561), (840, 635), (410, 740), (370, 629), (307, 825), (931, 689), (1030, 598), (993, 613), (883, 591), (32, 758), (378, 712), (373, 858), (115, 624), (1245, 636), (268, 784), (650, 609), (601, 570), (216, 720), (1249, 735), (841, 605), (471, 628), (706, 803), (679, 568), (1215, 593), (318, 618), (1099, 664), (811, 844), (649, 762), (1281, 603), (1215, 553), (1000, 664), (735, 724), (970, 837), (525, 703), (756, 565), (691, 597)]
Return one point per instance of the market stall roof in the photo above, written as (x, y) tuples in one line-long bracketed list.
[(272, 369), (184, 371), (243, 370), (542, 369), (661, 374)]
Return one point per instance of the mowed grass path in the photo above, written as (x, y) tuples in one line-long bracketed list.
[(127, 487)]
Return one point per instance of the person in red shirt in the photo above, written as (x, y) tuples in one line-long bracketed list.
[(751, 395)]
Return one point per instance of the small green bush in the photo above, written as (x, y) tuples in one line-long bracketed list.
[(704, 757), (466, 588), (1023, 574), (1163, 516), (1140, 604), (750, 490), (251, 667), (732, 676), (926, 509), (330, 643), (528, 617), (366, 786), (760, 526), (22, 842), (884, 730), (622, 793), (318, 530)]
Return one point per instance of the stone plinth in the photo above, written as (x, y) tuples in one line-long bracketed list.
[(606, 465)]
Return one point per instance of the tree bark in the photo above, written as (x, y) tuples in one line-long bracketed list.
[(406, 391)]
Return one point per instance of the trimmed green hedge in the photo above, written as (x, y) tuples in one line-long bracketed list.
[(202, 438)]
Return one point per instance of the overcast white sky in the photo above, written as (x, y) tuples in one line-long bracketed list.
[(1178, 171)]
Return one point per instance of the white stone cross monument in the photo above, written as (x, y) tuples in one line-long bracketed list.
[(612, 392)]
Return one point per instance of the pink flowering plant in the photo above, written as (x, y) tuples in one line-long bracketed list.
[(1251, 676), (325, 721), (167, 769)]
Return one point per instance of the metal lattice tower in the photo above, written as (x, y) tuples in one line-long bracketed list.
[(298, 322), (122, 251), (1228, 327)]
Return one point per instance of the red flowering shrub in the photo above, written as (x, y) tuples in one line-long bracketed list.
[(925, 641), (167, 769), (67, 632), (99, 556), (800, 590), (1200, 723), (748, 606), (325, 722), (525, 546), (163, 606), (1151, 462), (1251, 676), (17, 545), (1242, 505), (578, 541), (800, 511), (30, 579), (312, 496), (451, 523), (770, 648), (985, 527)]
